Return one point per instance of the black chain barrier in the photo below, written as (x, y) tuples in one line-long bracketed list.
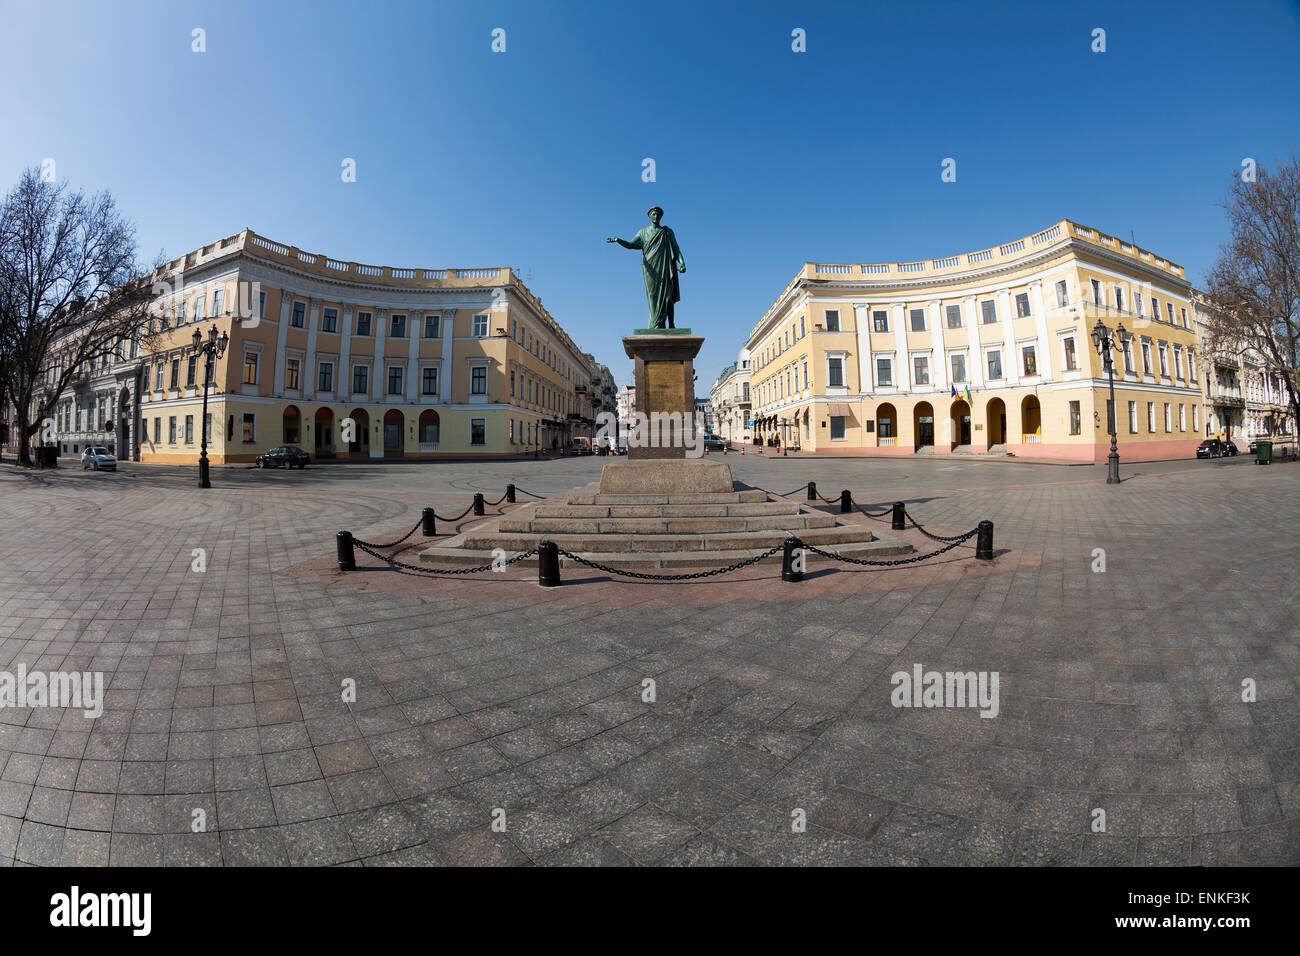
[(936, 537), (671, 577), (391, 544), (403, 568), (528, 493), (890, 564)]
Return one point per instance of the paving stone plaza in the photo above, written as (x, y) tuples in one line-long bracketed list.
[(497, 722)]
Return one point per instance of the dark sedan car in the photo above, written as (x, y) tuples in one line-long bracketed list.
[(290, 455), (1215, 448), (714, 443)]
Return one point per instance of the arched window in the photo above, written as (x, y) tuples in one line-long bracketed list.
[(429, 427)]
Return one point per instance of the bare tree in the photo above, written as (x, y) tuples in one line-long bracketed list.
[(71, 294), (1254, 285)]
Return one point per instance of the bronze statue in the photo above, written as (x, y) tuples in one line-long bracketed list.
[(661, 261)]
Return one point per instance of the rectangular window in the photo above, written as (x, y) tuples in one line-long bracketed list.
[(144, 379), (261, 305), (837, 428), (1119, 298), (329, 320), (1151, 417), (171, 429), (1076, 420), (880, 321), (198, 308), (958, 368), (832, 320), (1164, 362), (1096, 292), (191, 371), (1185, 323), (835, 373), (995, 365), (885, 428), (480, 325), (478, 431), (806, 383), (189, 429), (478, 380), (990, 311), (1182, 417), (157, 431), (250, 433), (397, 327), (1155, 308), (250, 368), (176, 373), (918, 320), (1137, 302), (1191, 365), (1062, 295), (1146, 359), (512, 383), (180, 315), (884, 372), (430, 383), (1169, 421), (363, 323), (1128, 357), (299, 318), (1196, 425), (1029, 360), (954, 316), (1170, 307), (512, 431), (802, 329), (325, 376), (395, 380), (1071, 357), (360, 379), (291, 373), (217, 298), (920, 370), (1133, 418), (1022, 305), (431, 326)]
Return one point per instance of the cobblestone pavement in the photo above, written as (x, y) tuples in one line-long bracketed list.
[(1120, 691)]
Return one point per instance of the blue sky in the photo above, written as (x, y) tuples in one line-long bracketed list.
[(765, 158)]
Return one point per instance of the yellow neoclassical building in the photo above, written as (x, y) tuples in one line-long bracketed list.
[(351, 360), (984, 352)]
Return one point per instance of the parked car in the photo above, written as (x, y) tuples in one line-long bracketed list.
[(580, 446), (714, 443), (99, 458), (1215, 448), (289, 455), (1254, 446)]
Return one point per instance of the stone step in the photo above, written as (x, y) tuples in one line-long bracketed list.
[(710, 498), (668, 525), (486, 540), (751, 509), (879, 549)]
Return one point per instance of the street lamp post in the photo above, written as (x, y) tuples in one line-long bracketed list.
[(1106, 341), (211, 350)]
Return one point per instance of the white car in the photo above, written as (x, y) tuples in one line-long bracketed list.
[(101, 459)]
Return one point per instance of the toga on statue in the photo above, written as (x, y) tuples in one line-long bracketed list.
[(661, 260)]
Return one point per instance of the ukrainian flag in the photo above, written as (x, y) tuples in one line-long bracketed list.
[(967, 393)]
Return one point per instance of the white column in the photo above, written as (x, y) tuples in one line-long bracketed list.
[(309, 386), (344, 376), (379, 377), (1043, 353), (974, 361), (444, 376), (938, 360), (866, 373), (413, 355), (286, 307), (1006, 315), (1010, 367), (902, 374)]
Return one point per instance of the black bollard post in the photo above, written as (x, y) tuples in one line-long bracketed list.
[(984, 541), (899, 521), (788, 570), (510, 494), (548, 564), (812, 491), (347, 559), (478, 504), (846, 501), (430, 528)]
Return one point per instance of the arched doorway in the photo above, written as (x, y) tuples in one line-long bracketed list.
[(324, 433), (886, 425), (394, 423), (359, 446), (429, 428), (292, 425), (1031, 415), (924, 422), (960, 423), (997, 419)]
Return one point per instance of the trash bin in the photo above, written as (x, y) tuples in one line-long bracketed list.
[(1263, 452)]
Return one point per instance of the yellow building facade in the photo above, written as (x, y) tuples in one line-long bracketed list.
[(357, 361), (984, 352)]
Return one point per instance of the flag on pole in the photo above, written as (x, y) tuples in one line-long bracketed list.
[(954, 390), (968, 393)]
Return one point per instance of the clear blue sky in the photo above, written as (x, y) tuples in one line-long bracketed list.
[(765, 157)]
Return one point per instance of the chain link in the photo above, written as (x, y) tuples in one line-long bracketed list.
[(671, 577), (403, 568), (391, 544), (521, 491), (895, 563), (937, 537)]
